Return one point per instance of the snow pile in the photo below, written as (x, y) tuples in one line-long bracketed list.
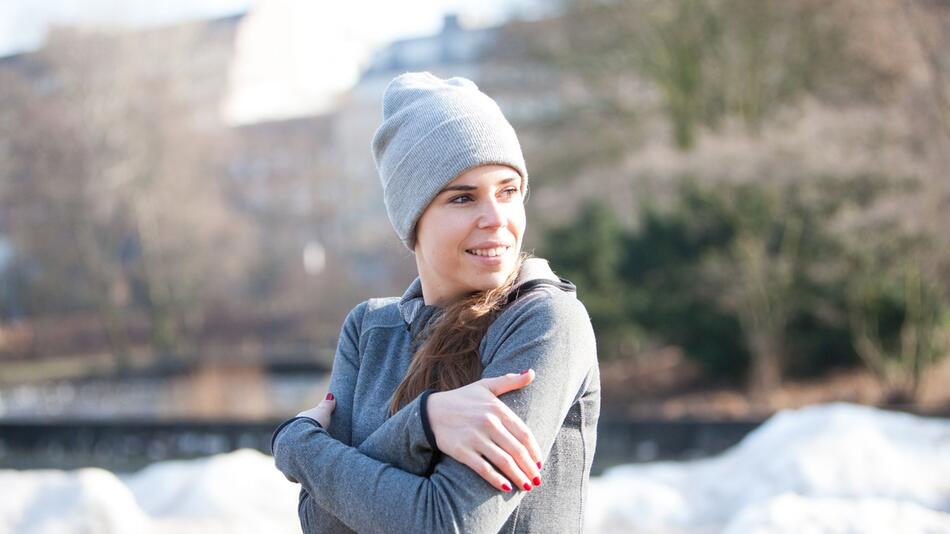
[(830, 469), (834, 468), (238, 492)]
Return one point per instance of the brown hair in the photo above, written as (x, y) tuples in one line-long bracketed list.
[(449, 358)]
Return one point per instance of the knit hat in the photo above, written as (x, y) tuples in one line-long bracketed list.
[(433, 130)]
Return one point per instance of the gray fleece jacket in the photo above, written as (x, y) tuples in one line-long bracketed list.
[(370, 472)]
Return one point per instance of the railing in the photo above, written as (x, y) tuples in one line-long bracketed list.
[(124, 446)]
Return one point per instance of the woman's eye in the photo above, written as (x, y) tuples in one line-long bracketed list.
[(464, 199)]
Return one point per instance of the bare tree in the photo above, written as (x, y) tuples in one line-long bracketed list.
[(755, 278), (120, 180), (898, 283)]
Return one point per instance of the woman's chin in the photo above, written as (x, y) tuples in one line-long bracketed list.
[(492, 279)]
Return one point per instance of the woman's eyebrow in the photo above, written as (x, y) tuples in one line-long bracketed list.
[(464, 187)]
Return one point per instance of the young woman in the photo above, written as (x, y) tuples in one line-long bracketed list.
[(469, 404)]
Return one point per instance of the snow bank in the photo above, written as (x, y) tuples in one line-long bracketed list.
[(238, 492), (831, 468), (835, 468)]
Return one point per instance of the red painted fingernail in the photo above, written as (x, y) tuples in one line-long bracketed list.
[(539, 465), (506, 487), (329, 396), (536, 481), (525, 371), (527, 487)]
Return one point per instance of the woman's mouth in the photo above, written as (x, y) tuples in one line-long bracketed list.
[(488, 252)]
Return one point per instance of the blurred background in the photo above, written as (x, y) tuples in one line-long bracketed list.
[(751, 196)]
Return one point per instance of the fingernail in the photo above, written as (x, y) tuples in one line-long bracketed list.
[(525, 371), (527, 487), (506, 487), (536, 481), (329, 396), (539, 465)]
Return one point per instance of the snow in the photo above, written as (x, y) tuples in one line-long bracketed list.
[(831, 468), (237, 492), (835, 468)]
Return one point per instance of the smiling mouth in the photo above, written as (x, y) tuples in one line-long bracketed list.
[(488, 252)]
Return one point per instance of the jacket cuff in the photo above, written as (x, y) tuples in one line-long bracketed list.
[(287, 422), (424, 413)]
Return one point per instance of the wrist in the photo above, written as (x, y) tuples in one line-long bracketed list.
[(425, 415)]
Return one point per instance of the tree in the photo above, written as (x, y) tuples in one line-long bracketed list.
[(898, 312), (756, 277), (114, 186), (589, 251), (695, 62)]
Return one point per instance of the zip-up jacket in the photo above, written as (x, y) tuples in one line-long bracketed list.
[(374, 473)]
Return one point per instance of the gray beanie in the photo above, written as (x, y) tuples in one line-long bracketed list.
[(433, 130)]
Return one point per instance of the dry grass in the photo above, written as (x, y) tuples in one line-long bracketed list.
[(666, 386)]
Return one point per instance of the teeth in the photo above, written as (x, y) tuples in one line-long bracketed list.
[(489, 251)]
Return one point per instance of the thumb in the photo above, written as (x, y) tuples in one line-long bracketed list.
[(503, 384)]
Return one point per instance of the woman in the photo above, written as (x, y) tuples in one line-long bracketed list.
[(469, 404)]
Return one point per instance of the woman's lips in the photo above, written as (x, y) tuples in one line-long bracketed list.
[(489, 260)]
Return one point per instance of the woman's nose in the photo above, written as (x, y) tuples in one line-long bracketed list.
[(493, 215)]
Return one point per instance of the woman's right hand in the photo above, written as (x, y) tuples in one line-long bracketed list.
[(471, 425)]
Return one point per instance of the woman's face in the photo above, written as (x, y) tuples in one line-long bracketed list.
[(469, 237)]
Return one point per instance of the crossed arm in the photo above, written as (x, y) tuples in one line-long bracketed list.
[(379, 486)]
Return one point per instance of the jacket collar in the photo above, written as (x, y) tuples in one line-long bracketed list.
[(534, 271)]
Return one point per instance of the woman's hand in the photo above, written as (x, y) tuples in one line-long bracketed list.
[(321, 412), (472, 426)]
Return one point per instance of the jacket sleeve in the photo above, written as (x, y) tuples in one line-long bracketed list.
[(346, 368), (550, 333), (403, 440), (346, 363)]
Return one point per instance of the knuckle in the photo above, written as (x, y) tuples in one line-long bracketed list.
[(499, 408), (500, 458), (524, 455), (519, 433)]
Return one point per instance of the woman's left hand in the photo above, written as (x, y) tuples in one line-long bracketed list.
[(473, 426), (321, 412)]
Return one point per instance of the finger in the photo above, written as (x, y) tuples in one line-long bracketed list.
[(516, 449), (500, 385), (506, 464), (322, 411), (325, 410), (517, 428), (326, 406), (485, 470)]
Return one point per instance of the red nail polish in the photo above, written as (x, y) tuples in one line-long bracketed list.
[(539, 465), (536, 481), (506, 487), (524, 372), (329, 396), (527, 487)]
